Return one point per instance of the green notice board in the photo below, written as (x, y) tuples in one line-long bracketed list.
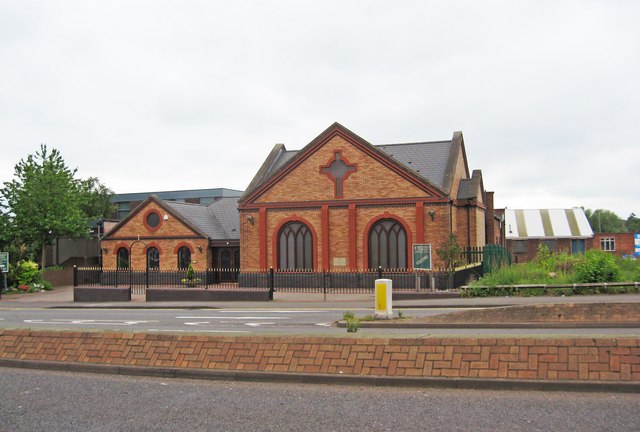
[(4, 262), (422, 256)]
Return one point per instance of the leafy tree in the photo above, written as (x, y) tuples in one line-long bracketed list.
[(97, 199), (604, 221), (45, 201), (632, 223)]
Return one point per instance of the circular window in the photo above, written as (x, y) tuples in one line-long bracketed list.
[(153, 220)]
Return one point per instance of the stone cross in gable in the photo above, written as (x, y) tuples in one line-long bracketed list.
[(338, 169)]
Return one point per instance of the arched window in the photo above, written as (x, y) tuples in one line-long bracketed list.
[(153, 259), (388, 245), (225, 259), (184, 257), (295, 247), (122, 259)]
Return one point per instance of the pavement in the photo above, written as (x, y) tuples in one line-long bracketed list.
[(62, 297)]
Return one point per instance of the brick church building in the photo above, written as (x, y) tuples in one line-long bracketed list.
[(341, 203)]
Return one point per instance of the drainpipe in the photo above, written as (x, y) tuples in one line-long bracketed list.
[(469, 202), (450, 216)]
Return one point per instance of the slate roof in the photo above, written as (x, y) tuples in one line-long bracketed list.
[(219, 221), (469, 187), (546, 223), (225, 210), (433, 163), (427, 159)]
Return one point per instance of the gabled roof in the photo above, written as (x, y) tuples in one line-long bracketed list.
[(430, 165), (546, 224), (199, 216), (218, 221)]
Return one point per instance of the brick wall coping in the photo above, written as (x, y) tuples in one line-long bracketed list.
[(556, 359)]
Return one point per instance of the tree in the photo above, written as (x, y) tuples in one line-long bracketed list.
[(97, 199), (449, 252), (632, 223), (44, 201), (604, 221)]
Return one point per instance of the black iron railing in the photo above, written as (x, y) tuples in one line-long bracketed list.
[(333, 282)]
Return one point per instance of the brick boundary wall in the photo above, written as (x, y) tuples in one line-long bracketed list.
[(622, 312), (551, 359)]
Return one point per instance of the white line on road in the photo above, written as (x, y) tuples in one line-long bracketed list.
[(198, 331), (84, 321), (258, 324), (269, 311), (229, 318)]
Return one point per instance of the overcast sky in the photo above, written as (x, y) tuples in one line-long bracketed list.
[(169, 95)]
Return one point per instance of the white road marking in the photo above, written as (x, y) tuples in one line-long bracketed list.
[(85, 321), (324, 324), (196, 323), (229, 318), (259, 324), (270, 311), (199, 331)]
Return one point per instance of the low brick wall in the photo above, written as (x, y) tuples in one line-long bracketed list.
[(104, 294), (199, 294), (599, 360), (547, 313)]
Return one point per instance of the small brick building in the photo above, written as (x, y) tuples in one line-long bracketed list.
[(341, 203), (167, 235), (621, 244)]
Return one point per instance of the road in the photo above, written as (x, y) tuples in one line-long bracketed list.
[(290, 321), (54, 401)]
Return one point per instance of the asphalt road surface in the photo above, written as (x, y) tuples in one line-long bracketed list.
[(244, 321), (35, 400)]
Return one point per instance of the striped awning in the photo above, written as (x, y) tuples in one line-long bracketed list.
[(547, 223)]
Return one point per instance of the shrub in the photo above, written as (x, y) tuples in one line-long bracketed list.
[(353, 325), (629, 269), (27, 272), (597, 266)]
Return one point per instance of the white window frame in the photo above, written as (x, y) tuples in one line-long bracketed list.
[(608, 244)]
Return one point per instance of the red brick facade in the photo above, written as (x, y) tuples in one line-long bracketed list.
[(340, 217), (135, 234), (623, 243)]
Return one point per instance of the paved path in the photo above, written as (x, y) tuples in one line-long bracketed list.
[(63, 297)]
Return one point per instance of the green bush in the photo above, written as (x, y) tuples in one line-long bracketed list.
[(27, 272), (353, 325), (629, 269), (597, 266)]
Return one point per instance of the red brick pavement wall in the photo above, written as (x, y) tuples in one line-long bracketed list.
[(548, 313), (596, 359)]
